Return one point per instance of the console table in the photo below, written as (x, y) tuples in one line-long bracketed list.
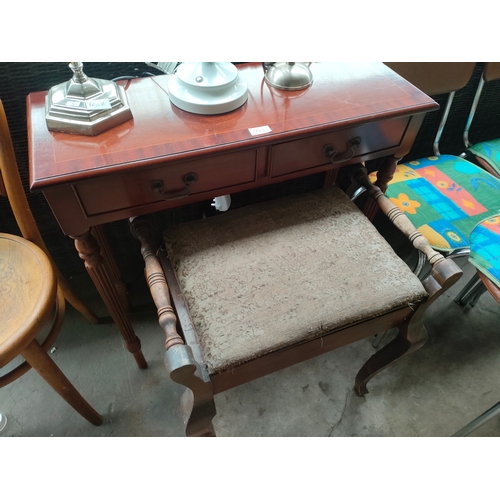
[(165, 157)]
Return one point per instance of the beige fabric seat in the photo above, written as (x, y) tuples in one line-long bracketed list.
[(276, 274), (254, 290)]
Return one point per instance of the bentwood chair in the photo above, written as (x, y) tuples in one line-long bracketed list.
[(22, 213), (32, 300), (256, 289), (444, 196)]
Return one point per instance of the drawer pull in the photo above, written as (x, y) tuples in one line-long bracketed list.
[(158, 187), (330, 152)]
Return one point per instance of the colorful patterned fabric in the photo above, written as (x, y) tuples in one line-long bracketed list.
[(489, 151), (485, 248), (444, 197)]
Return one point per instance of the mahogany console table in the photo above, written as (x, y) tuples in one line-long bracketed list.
[(165, 157)]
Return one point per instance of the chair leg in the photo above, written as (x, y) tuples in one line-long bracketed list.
[(197, 402), (470, 293), (479, 421), (41, 362), (409, 339), (478, 292), (422, 259), (75, 300), (24, 367)]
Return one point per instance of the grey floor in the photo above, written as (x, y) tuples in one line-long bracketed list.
[(433, 392)]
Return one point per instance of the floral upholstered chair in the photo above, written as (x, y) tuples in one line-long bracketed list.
[(444, 196), (485, 257), (485, 249), (486, 154)]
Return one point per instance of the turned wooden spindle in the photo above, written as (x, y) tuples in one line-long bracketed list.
[(384, 176), (398, 218), (141, 229)]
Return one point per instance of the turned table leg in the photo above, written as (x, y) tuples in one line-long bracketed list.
[(105, 282), (110, 263)]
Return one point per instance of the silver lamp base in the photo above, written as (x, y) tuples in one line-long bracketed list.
[(86, 106), (288, 75), (207, 88)]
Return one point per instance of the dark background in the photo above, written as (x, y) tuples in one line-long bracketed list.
[(17, 80)]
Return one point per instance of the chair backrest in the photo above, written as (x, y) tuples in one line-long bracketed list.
[(3, 192), (435, 78), (491, 72), (12, 187)]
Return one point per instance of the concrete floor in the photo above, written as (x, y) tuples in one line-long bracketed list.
[(433, 392)]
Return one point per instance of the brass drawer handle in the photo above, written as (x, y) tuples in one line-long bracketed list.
[(330, 152), (158, 187)]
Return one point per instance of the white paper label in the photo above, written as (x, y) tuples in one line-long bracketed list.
[(98, 104), (260, 130)]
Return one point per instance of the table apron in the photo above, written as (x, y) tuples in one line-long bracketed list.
[(98, 200)]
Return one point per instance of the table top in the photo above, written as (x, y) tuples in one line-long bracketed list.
[(342, 94)]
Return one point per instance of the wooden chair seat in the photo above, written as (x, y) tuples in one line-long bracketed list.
[(277, 274), (28, 291)]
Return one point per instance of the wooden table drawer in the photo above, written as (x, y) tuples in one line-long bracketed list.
[(309, 153), (166, 182)]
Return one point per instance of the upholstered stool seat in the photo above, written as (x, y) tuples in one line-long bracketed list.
[(273, 275), (254, 290)]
